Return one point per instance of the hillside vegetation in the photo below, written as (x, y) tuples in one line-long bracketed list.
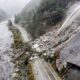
[(39, 16)]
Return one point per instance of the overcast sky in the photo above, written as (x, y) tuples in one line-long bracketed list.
[(13, 6)]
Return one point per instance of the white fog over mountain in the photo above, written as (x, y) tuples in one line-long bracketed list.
[(13, 6)]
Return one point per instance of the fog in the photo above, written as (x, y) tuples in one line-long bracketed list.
[(12, 6)]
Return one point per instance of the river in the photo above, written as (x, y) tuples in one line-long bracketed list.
[(6, 66)]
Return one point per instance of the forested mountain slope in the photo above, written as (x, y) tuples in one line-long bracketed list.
[(39, 16)]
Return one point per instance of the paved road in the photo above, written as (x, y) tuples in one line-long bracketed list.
[(25, 36), (44, 71)]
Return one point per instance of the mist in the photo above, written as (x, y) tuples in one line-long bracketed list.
[(13, 6)]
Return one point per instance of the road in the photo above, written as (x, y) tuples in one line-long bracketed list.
[(44, 71), (25, 36)]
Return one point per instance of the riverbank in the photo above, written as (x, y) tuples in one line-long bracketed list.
[(21, 56)]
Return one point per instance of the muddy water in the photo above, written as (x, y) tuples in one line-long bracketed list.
[(6, 40)]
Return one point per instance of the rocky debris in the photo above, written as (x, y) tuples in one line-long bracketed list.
[(60, 64), (66, 44), (44, 43), (64, 47)]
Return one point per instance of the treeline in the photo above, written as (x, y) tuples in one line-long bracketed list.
[(38, 16)]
